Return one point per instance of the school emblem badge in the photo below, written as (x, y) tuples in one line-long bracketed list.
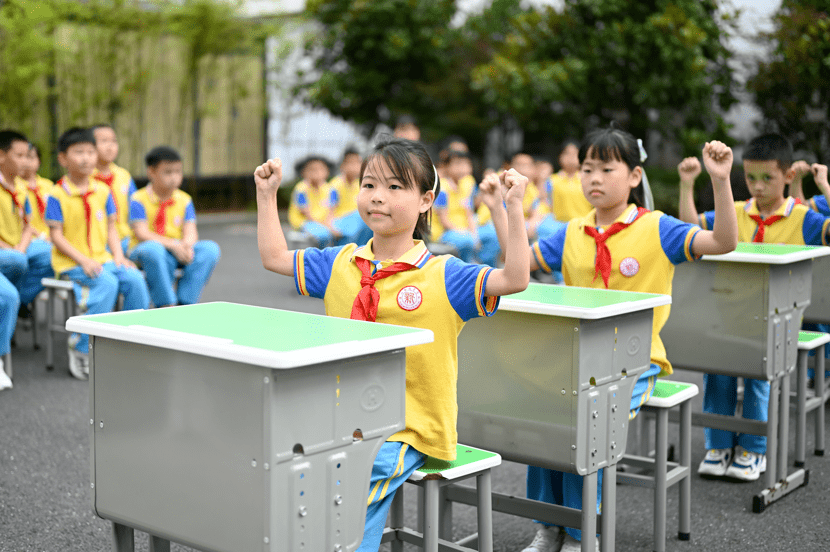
[(629, 266), (409, 298)]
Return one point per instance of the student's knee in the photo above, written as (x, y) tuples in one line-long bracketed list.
[(148, 252), (208, 250)]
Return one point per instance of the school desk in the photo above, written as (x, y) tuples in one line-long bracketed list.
[(547, 381), (739, 315), (229, 427)]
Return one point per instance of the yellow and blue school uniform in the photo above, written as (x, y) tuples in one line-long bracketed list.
[(799, 226), (439, 293), (318, 200), (122, 187), (14, 209), (489, 251), (37, 199), (565, 201), (84, 218), (167, 218), (643, 257), (819, 204), (457, 202), (346, 217)]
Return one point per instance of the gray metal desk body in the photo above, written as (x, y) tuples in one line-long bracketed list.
[(819, 310)]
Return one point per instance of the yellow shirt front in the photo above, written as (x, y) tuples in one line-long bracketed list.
[(456, 201), (37, 196), (441, 294), (800, 225), (318, 200), (66, 206), (122, 186), (566, 197), (14, 210), (346, 195), (144, 206)]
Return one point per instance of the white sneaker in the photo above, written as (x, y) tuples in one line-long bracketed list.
[(5, 380), (570, 544), (547, 539), (747, 466), (715, 463), (78, 363)]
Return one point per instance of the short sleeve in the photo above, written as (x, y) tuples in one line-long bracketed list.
[(131, 189), (819, 203), (441, 200), (312, 270), (27, 208), (334, 198), (707, 220), (815, 228), (548, 251), (465, 284), (137, 211), (111, 210), (301, 199), (676, 239), (190, 213), (54, 213)]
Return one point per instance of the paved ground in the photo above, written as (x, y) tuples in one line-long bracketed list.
[(45, 501)]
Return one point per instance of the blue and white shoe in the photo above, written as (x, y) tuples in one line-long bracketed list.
[(715, 463), (747, 466)]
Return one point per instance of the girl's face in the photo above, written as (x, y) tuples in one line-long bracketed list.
[(315, 172), (386, 205), (569, 159), (607, 184)]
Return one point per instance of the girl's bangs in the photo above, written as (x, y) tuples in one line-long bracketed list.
[(399, 162)]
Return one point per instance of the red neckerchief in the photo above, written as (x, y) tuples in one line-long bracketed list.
[(365, 306), (602, 265), (763, 223), (160, 221)]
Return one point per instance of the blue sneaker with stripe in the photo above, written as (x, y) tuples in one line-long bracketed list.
[(747, 465), (715, 463)]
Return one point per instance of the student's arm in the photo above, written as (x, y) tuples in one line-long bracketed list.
[(723, 237), (492, 198), (800, 170), (820, 176), (441, 207), (114, 242), (689, 169), (272, 247), (91, 267), (190, 235), (515, 275), (25, 238)]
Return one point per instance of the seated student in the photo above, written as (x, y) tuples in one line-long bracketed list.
[(768, 217), (118, 179), (81, 215), (407, 127), (164, 223), (563, 192), (454, 222), (312, 201), (346, 185), (38, 189)]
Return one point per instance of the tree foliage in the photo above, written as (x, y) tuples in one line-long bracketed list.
[(790, 87)]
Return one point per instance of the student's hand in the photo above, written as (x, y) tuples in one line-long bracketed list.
[(513, 186), (180, 251), (123, 262), (490, 190), (91, 267), (717, 157), (19, 248), (268, 176), (689, 169), (819, 175), (801, 169)]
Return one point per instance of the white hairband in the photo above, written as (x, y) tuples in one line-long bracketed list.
[(435, 184), (648, 197)]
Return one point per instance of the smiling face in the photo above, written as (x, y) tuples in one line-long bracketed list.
[(79, 160), (106, 142), (766, 182), (13, 160), (388, 205), (607, 184)]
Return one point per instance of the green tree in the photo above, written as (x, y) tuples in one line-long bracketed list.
[(790, 87)]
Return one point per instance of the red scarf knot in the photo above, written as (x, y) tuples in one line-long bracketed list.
[(161, 217), (365, 306), (762, 224), (602, 264)]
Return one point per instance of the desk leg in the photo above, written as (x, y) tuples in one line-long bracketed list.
[(589, 512), (122, 538), (660, 469), (784, 427), (772, 433), (820, 392), (431, 516), (158, 544), (484, 488), (801, 409), (685, 521), (609, 509), (396, 518)]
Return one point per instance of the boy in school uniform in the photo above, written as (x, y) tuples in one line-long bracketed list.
[(768, 217), (454, 221), (816, 203), (117, 179), (164, 222), (37, 190), (86, 249), (346, 186), (312, 201)]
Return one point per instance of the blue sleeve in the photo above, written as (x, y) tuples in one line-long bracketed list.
[(137, 211), (189, 213), (707, 220), (53, 210), (111, 210), (465, 284), (814, 228), (819, 203), (301, 199), (334, 198), (312, 270), (441, 200), (548, 251), (676, 239), (27, 208), (132, 189)]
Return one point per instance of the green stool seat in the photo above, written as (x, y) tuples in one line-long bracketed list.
[(810, 341), (434, 474), (667, 394), (807, 341)]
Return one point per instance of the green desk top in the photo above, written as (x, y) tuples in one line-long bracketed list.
[(258, 335), (577, 302), (770, 253)]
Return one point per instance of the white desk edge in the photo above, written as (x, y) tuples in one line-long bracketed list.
[(595, 313), (763, 258)]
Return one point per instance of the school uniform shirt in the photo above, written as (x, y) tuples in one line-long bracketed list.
[(122, 186), (318, 200), (800, 225), (530, 203), (15, 210), (457, 202), (566, 197), (344, 197), (441, 294), (38, 197), (87, 232), (145, 205), (643, 256), (819, 204)]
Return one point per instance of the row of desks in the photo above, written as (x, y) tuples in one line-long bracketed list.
[(229, 427)]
